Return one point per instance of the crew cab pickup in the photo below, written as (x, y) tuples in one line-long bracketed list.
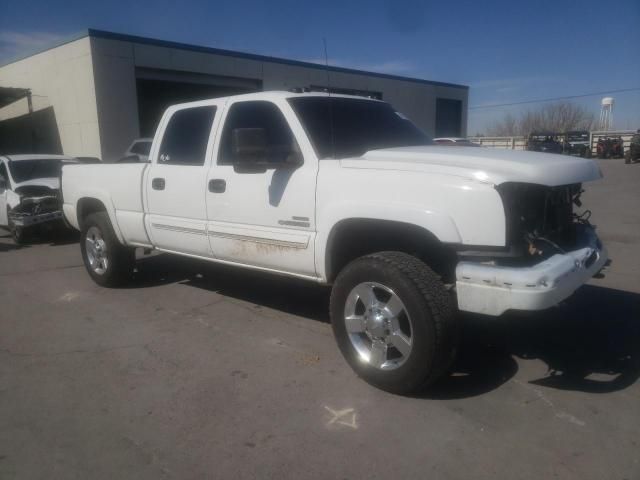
[(347, 192)]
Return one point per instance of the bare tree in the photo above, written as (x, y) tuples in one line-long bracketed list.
[(555, 117), (507, 127)]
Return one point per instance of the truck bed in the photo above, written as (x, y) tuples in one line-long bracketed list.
[(117, 185)]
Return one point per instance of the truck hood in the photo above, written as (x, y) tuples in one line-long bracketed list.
[(50, 182), (486, 165)]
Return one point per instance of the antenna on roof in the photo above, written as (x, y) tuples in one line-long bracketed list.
[(326, 62)]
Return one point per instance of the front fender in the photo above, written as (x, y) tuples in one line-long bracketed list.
[(439, 225)]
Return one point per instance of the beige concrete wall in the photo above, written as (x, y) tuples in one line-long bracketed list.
[(62, 78), (116, 98)]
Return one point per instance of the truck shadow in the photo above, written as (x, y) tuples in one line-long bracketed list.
[(54, 238), (7, 244), (591, 343), (285, 294)]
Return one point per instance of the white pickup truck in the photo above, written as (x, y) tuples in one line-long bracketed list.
[(346, 191)]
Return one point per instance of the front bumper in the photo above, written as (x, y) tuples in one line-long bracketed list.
[(492, 289), (29, 220)]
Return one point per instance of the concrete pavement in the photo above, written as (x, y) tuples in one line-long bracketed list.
[(198, 371)]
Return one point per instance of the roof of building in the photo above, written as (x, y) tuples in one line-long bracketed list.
[(230, 53)]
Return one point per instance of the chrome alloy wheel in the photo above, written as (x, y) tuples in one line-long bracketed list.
[(96, 249), (378, 325)]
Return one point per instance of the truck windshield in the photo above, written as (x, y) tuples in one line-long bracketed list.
[(25, 170), (348, 127)]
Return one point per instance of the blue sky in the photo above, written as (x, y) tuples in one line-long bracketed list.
[(506, 51)]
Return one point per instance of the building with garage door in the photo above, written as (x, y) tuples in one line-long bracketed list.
[(93, 94)]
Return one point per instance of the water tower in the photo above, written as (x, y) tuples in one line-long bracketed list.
[(606, 114)]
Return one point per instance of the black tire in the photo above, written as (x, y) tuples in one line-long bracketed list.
[(434, 325), (121, 259), (19, 235)]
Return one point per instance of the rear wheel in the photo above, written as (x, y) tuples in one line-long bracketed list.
[(394, 321), (108, 262)]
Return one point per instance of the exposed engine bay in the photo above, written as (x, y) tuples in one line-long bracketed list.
[(541, 220), (37, 204)]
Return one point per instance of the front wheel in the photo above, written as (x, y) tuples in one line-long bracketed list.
[(18, 234), (108, 262), (394, 322)]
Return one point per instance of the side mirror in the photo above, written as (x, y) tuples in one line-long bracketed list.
[(250, 149), (249, 145), (3, 183), (294, 158)]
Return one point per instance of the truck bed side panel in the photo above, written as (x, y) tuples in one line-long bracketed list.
[(118, 187)]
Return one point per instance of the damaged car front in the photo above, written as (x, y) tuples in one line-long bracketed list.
[(30, 198)]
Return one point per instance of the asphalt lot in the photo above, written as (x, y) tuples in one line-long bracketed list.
[(197, 371)]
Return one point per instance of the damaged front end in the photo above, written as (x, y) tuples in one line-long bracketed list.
[(541, 220), (38, 205), (550, 252)]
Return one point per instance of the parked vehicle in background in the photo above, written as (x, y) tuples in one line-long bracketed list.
[(633, 153), (139, 148), (577, 143), (610, 147), (346, 191), (29, 193), (544, 142), (455, 141)]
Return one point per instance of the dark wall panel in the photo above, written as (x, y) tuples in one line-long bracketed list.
[(154, 96), (448, 117), (32, 133)]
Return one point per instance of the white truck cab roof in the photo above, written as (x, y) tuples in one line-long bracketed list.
[(273, 95)]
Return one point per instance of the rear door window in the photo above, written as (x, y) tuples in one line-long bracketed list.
[(186, 136)]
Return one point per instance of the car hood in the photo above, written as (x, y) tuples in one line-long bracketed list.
[(52, 183), (485, 165)]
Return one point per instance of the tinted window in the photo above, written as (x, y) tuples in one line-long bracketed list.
[(186, 136), (264, 115), (23, 170), (141, 148), (3, 172), (346, 127)]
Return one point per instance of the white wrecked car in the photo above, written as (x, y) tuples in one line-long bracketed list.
[(30, 192)]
